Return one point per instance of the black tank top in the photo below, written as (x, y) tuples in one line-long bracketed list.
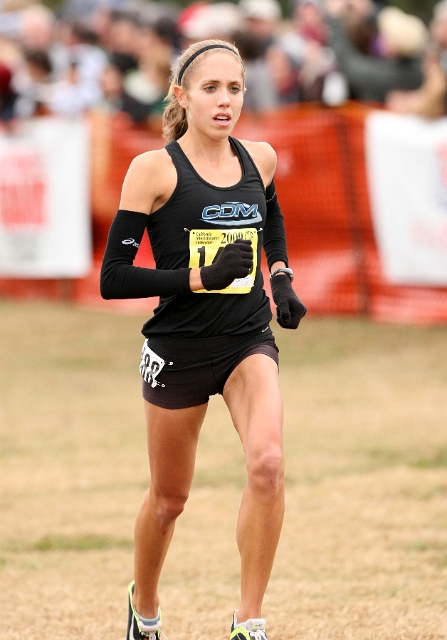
[(189, 229)]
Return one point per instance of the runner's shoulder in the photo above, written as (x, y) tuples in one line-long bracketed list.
[(154, 161), (148, 179), (264, 157)]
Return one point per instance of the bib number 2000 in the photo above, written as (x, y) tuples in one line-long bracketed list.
[(205, 246)]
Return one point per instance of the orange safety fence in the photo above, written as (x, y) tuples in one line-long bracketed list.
[(322, 187)]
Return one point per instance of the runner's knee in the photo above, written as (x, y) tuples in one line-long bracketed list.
[(266, 471), (168, 509)]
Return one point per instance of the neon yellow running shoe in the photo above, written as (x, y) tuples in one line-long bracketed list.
[(253, 629), (136, 629)]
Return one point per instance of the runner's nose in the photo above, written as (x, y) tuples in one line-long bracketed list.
[(223, 98)]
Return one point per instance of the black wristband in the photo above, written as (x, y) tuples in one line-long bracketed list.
[(274, 235)]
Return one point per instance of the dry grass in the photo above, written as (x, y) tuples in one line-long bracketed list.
[(364, 550)]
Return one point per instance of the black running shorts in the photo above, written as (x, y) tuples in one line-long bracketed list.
[(182, 372)]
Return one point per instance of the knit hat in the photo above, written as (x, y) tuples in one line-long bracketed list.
[(405, 34), (261, 9)]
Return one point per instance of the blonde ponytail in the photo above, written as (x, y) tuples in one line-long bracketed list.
[(175, 123)]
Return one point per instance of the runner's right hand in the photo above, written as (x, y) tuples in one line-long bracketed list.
[(234, 261)]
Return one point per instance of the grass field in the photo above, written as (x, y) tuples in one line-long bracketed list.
[(364, 548)]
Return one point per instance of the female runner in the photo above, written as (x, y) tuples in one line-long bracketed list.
[(208, 204)]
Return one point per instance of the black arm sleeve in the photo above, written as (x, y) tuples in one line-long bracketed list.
[(120, 279), (275, 246)]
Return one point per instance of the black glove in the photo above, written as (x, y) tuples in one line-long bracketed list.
[(289, 308), (234, 261)]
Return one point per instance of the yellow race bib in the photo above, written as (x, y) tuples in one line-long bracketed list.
[(205, 246)]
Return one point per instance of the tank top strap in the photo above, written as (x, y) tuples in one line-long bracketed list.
[(178, 158), (247, 161)]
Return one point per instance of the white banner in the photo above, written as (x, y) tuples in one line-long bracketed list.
[(44, 200), (407, 174)]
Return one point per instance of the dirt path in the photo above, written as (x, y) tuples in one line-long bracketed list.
[(363, 554)]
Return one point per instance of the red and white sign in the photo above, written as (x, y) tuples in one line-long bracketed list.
[(407, 173), (44, 200)]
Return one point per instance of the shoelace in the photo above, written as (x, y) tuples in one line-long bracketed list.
[(258, 635)]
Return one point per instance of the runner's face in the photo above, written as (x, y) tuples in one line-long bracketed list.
[(213, 101)]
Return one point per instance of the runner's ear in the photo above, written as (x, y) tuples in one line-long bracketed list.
[(181, 96)]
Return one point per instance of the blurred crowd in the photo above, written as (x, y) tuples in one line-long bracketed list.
[(115, 55)]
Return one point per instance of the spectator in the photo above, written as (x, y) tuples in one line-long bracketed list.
[(116, 100), (262, 25), (160, 32), (36, 33), (306, 45), (188, 15), (430, 101), (88, 11), (397, 63), (10, 49), (34, 84), (150, 82), (155, 50), (35, 27), (285, 74), (438, 26), (122, 34), (262, 19), (352, 10), (69, 97), (261, 92), (7, 95), (10, 11), (201, 21), (360, 19), (261, 29), (309, 21), (80, 89), (400, 35)]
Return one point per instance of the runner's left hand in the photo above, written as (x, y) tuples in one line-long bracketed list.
[(289, 308)]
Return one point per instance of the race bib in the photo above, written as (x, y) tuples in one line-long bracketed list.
[(150, 365), (205, 246)]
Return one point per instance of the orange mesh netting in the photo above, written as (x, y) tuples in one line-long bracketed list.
[(322, 187)]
